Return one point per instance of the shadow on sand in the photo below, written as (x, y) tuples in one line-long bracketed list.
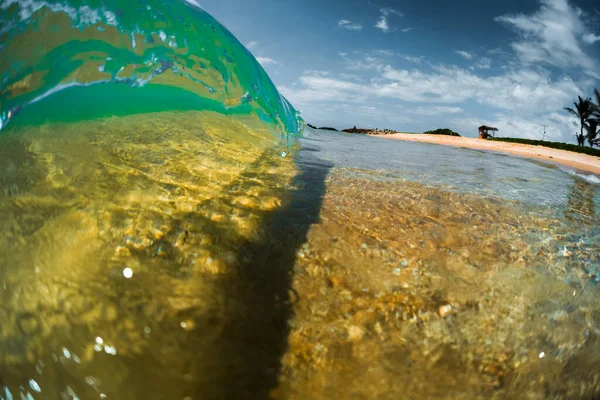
[(240, 322), (243, 360)]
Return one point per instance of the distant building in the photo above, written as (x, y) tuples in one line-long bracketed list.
[(486, 131)]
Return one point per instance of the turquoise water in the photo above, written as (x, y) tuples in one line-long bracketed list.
[(174, 50), (539, 188), (465, 170), (169, 230)]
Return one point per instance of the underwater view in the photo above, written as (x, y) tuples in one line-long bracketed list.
[(171, 229)]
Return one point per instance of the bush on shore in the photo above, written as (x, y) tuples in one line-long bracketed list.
[(444, 131)]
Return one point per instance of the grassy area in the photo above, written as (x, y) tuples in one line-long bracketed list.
[(445, 131), (554, 145)]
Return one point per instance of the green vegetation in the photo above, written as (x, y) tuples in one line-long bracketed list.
[(554, 145), (444, 131), (588, 114)]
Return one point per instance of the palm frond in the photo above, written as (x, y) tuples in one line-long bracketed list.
[(591, 126), (573, 112), (584, 108), (592, 131), (596, 106)]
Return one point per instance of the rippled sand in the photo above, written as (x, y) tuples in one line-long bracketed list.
[(413, 292), (179, 199), (179, 256)]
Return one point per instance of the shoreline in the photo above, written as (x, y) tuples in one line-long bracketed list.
[(583, 162)]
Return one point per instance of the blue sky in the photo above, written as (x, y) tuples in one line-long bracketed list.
[(414, 66)]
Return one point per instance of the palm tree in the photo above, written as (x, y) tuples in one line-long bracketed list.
[(592, 132), (596, 106), (583, 110), (594, 123)]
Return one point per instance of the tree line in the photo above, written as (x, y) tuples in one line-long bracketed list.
[(588, 114)]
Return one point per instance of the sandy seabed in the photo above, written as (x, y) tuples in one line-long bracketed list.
[(582, 162), (177, 255)]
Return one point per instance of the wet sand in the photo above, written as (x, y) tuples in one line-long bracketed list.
[(582, 162), (422, 285)]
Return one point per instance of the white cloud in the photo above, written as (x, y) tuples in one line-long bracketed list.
[(406, 30), (383, 24), (352, 113), (412, 59), (551, 36), (384, 52), (370, 62), (365, 63), (464, 54), (590, 38), (483, 63), (322, 82), (351, 77), (316, 72), (436, 110), (316, 87), (252, 45), (524, 90), (390, 11), (266, 61), (346, 24), (519, 94)]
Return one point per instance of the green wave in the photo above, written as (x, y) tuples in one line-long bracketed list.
[(80, 59)]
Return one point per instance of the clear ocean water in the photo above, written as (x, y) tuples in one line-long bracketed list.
[(170, 230)]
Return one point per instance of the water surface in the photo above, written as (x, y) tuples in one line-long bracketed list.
[(166, 234)]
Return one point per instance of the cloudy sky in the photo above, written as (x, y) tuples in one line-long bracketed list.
[(419, 65)]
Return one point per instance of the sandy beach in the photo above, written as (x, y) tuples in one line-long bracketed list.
[(579, 161)]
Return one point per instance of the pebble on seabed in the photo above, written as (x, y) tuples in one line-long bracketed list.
[(355, 333), (445, 310), (566, 253)]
